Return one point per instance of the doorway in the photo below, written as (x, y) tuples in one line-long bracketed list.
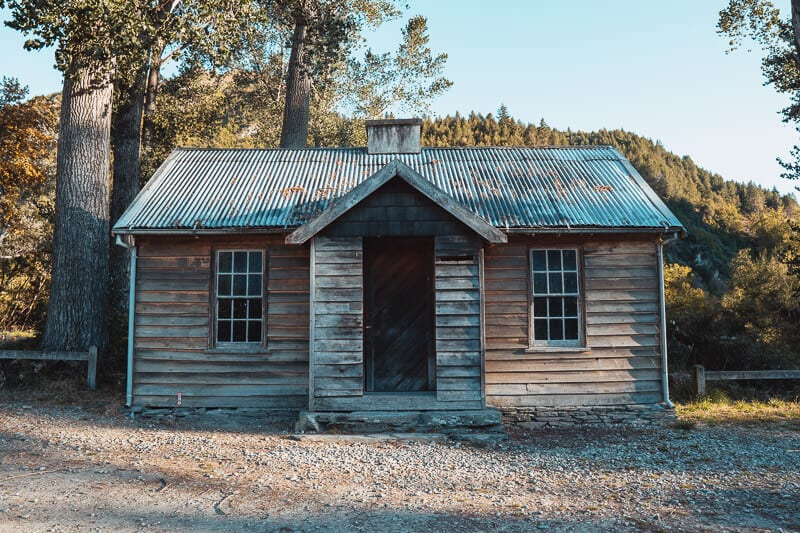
[(399, 353)]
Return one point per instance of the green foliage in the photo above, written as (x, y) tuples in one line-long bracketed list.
[(412, 77), (27, 168), (760, 22)]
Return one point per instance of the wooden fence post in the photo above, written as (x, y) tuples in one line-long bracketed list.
[(92, 371), (699, 381)]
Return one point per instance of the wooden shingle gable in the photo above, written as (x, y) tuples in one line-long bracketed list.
[(396, 169)]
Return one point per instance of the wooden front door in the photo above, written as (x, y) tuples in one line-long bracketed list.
[(398, 315)]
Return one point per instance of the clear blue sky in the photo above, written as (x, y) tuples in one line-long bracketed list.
[(655, 68)]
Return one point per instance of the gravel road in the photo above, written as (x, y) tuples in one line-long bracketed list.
[(89, 468)]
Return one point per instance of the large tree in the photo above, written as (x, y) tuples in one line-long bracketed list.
[(779, 36), (88, 36), (326, 36)]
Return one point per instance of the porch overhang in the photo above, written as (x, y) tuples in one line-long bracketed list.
[(396, 169)]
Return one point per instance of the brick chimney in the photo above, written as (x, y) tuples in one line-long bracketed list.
[(394, 136)]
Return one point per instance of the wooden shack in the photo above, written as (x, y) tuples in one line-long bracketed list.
[(395, 278)]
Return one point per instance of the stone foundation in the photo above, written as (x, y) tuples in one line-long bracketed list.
[(564, 417), (482, 420)]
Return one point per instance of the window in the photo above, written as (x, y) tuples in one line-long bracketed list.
[(556, 305), (239, 296)]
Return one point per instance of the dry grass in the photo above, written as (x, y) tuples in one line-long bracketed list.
[(718, 409)]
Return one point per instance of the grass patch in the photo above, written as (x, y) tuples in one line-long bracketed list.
[(718, 409)]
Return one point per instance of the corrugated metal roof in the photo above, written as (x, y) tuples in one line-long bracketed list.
[(512, 188)]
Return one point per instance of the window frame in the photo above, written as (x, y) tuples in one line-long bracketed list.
[(234, 346), (565, 345)]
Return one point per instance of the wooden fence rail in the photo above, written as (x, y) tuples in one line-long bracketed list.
[(90, 357), (700, 376)]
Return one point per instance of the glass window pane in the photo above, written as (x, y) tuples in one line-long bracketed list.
[(571, 306), (223, 331), (555, 283), (540, 307), (540, 283), (255, 262), (225, 262), (240, 261), (254, 308), (555, 307), (539, 260), (224, 308), (571, 329), (254, 331), (254, 285), (570, 260), (239, 308), (224, 284), (540, 329), (240, 285), (239, 331), (554, 259), (556, 329), (571, 282)]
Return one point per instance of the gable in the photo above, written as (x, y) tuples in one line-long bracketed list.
[(396, 209), (396, 170)]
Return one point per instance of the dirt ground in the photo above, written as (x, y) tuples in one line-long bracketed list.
[(84, 465)]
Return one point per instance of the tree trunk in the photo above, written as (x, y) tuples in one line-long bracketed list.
[(151, 92), (126, 137), (796, 28), (294, 131), (77, 310)]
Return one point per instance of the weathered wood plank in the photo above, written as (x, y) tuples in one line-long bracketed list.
[(328, 345), (458, 295), (338, 371), (246, 376), (172, 331), (278, 401), (443, 284), (197, 297), (601, 330), (729, 375), (587, 364), (472, 371), (199, 319), (323, 294), (190, 390), (462, 384), (458, 359), (623, 341), (339, 308), (338, 358), (586, 377), (597, 352), (216, 357), (162, 343), (458, 333), (619, 318), (459, 345), (457, 320), (582, 400), (613, 284), (618, 295), (457, 308)]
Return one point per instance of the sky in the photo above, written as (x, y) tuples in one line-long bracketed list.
[(658, 69)]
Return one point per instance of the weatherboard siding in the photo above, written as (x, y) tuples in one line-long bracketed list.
[(622, 363), (174, 280)]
